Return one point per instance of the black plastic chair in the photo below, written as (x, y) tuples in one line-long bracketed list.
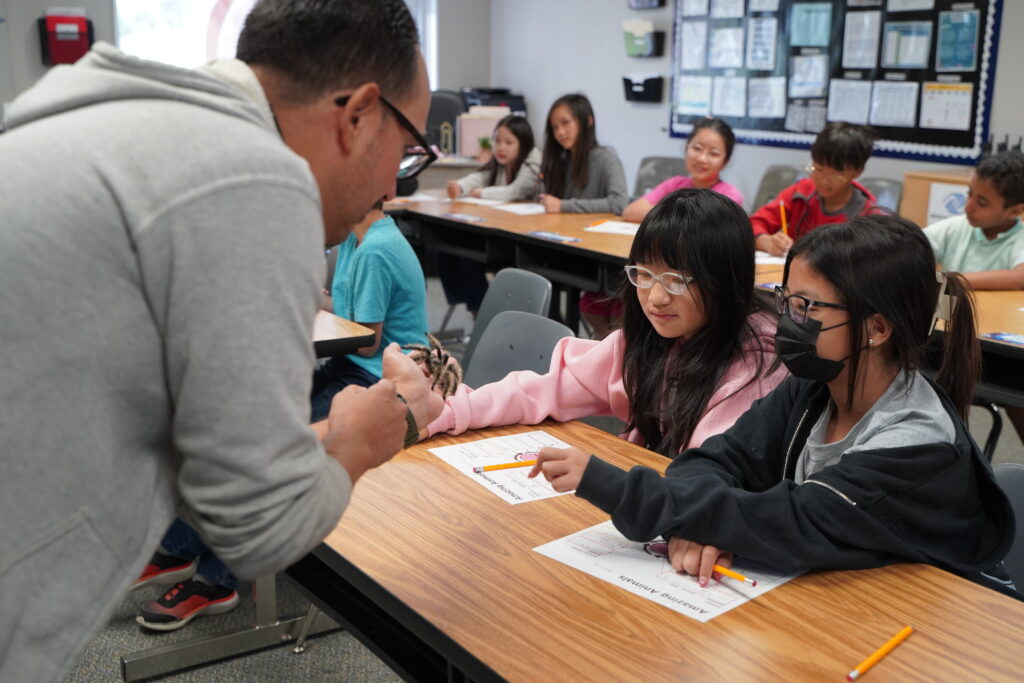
[(1011, 478), (445, 107)]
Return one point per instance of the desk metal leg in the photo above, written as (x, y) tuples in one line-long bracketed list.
[(268, 631), (572, 309)]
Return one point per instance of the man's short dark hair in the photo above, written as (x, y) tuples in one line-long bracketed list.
[(1006, 172), (843, 146), (325, 45)]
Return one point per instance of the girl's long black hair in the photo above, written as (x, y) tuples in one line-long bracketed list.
[(670, 382), (553, 166), (520, 128), (883, 264)]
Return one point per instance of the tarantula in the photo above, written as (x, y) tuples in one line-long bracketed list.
[(444, 372)]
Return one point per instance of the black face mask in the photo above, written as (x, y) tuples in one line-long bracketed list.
[(796, 344)]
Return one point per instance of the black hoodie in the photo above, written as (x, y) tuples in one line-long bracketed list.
[(936, 503)]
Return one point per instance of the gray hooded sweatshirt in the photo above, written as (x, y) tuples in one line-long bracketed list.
[(161, 256)]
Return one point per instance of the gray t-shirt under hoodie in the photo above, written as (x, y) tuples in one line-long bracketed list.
[(908, 413)]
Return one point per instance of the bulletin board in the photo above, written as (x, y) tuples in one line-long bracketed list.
[(920, 71)]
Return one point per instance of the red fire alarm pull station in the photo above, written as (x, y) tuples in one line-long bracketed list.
[(64, 38)]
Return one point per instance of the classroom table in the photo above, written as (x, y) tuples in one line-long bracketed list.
[(335, 336), (595, 261), (437, 576), (496, 238)]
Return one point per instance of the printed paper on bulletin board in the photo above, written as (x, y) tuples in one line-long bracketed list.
[(922, 73)]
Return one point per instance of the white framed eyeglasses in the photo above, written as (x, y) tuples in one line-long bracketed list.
[(673, 283)]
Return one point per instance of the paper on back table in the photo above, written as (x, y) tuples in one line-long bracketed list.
[(510, 485), (522, 208), (614, 228)]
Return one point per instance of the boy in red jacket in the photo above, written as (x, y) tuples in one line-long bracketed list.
[(829, 193)]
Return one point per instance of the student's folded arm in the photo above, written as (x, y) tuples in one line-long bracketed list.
[(474, 180), (525, 185), (767, 220), (637, 210), (232, 275), (584, 379), (1010, 278), (372, 288), (371, 350), (643, 504)]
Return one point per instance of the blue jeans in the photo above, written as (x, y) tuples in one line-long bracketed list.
[(183, 541), (336, 374)]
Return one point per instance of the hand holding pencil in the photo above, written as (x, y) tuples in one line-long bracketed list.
[(702, 561)]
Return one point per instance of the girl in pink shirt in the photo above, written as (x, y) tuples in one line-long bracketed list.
[(695, 350), (707, 152)]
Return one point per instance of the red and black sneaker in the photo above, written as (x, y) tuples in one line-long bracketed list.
[(166, 570), (183, 603)]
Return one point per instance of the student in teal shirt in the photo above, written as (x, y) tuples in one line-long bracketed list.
[(986, 244), (378, 283)]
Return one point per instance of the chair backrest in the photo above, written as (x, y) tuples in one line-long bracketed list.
[(653, 170), (1011, 478), (776, 178), (887, 192), (512, 289), (330, 261), (445, 107), (514, 340)]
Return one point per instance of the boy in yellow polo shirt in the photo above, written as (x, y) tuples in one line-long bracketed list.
[(986, 244)]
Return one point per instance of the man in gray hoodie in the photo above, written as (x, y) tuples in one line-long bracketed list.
[(161, 258)]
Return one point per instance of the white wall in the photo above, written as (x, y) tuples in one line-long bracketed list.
[(545, 48), (463, 44), (6, 73), (463, 36), (22, 54)]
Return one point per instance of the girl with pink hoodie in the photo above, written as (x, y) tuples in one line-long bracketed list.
[(696, 346)]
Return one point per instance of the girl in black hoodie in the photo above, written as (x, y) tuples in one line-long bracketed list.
[(858, 460)]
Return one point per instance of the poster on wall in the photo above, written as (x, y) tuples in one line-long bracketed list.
[(958, 41), (921, 71)]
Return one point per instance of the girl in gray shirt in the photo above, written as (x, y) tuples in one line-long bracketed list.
[(578, 176)]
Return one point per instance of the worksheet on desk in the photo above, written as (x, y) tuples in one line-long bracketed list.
[(522, 208), (614, 228), (511, 485), (644, 569)]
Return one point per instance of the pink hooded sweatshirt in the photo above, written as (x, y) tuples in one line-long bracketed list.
[(586, 379)]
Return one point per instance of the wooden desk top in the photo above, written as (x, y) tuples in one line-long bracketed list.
[(568, 224), (462, 559), (335, 336)]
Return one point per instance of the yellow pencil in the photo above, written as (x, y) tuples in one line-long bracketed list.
[(596, 223), (863, 667), (782, 213), (724, 571), (504, 466)]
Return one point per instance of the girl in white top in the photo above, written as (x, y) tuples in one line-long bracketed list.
[(513, 171)]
